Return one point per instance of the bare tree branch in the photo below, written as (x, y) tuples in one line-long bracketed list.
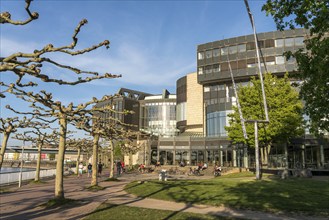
[(5, 17)]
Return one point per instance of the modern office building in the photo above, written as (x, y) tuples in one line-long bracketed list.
[(128, 100), (190, 125)]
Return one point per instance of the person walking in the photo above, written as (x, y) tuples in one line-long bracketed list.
[(80, 170), (119, 166), (100, 168), (89, 167), (122, 166)]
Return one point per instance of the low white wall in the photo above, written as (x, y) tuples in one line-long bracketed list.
[(7, 178)]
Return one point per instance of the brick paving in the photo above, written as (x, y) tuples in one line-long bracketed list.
[(24, 203)]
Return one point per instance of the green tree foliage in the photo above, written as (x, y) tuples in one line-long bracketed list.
[(312, 65), (284, 109), (118, 154)]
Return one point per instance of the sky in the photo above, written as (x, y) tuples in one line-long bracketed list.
[(152, 43)]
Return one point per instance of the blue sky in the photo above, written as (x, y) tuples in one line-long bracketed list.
[(153, 43)]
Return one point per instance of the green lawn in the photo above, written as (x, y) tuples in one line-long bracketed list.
[(110, 211), (242, 191)]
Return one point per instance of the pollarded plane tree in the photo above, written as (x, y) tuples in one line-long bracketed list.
[(39, 135), (129, 145), (80, 144), (9, 126), (122, 134), (104, 122), (25, 63), (96, 128), (115, 130), (31, 64), (45, 107)]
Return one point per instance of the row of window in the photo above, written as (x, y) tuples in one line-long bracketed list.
[(222, 87), (160, 103), (287, 42), (242, 64)]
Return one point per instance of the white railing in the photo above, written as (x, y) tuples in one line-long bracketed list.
[(7, 178)]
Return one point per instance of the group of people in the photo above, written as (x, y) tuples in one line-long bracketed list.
[(120, 167), (90, 169)]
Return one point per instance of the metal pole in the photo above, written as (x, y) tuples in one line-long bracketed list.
[(21, 170), (257, 152), (258, 59), (237, 102)]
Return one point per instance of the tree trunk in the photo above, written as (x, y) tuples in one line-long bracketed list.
[(3, 147), (267, 152), (59, 187), (130, 160), (261, 155), (78, 161), (95, 160), (112, 159), (37, 171), (286, 155)]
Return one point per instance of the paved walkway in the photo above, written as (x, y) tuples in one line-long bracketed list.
[(24, 203)]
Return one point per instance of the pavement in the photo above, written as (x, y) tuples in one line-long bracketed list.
[(24, 202)]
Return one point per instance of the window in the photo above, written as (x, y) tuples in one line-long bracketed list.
[(216, 68), (279, 43), (206, 89), (291, 60), (208, 69), (208, 54), (216, 52), (221, 87), (200, 70), (233, 49), (299, 41), (269, 43), (261, 44), (289, 42), (250, 65), (200, 55), (251, 46), (224, 51), (279, 60), (241, 48)]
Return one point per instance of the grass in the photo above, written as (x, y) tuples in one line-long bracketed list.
[(113, 179), (110, 211), (242, 191), (55, 202), (95, 188), (37, 182)]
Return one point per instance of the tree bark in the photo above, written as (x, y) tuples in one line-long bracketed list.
[(78, 161), (95, 160), (267, 152), (59, 187), (3, 147), (112, 159), (262, 156), (37, 171)]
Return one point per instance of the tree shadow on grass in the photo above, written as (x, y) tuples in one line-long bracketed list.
[(292, 196)]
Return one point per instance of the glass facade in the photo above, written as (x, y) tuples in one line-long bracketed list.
[(216, 122), (181, 111), (159, 118)]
